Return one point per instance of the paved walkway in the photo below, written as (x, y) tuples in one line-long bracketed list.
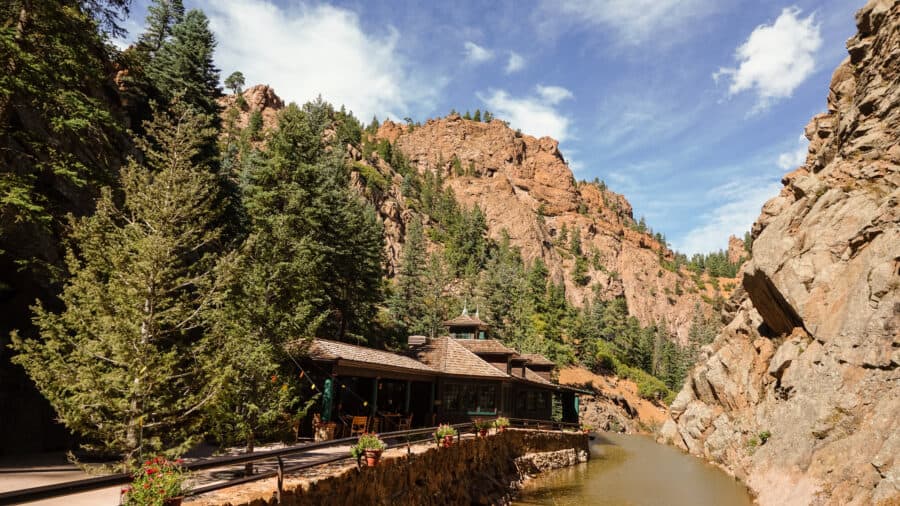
[(47, 469)]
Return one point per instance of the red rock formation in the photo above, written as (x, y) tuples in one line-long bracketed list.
[(524, 186), (800, 394)]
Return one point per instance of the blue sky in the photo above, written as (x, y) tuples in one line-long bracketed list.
[(693, 109)]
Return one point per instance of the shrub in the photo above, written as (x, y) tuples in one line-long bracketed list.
[(371, 175), (158, 479), (444, 430), (501, 422), (764, 436)]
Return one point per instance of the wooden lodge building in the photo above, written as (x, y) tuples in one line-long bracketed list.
[(448, 379)]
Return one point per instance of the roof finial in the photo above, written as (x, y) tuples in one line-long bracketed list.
[(476, 311), (465, 307)]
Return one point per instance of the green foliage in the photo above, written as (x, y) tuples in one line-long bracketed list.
[(155, 481), (367, 442), (235, 82), (445, 430), (715, 264), (162, 15), (764, 437), (407, 305), (579, 274), (183, 67), (575, 245), (62, 138), (254, 124), (477, 115), (123, 363), (457, 166), (371, 176)]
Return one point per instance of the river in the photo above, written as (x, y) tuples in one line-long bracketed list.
[(635, 471)]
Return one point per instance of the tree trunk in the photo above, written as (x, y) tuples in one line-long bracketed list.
[(21, 26), (248, 468)]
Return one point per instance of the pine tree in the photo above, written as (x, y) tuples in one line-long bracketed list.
[(235, 82), (122, 363), (408, 303), (162, 15), (436, 279), (477, 115), (183, 67), (575, 245)]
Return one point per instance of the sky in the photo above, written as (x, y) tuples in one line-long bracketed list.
[(693, 109)]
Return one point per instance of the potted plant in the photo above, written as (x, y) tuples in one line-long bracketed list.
[(482, 426), (501, 423), (369, 445), (586, 428), (158, 482), (445, 434)]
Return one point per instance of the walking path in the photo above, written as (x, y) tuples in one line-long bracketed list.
[(48, 469)]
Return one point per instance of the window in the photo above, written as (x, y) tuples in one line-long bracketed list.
[(470, 397)]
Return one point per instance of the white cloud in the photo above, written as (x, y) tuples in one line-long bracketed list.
[(553, 94), (740, 204), (515, 63), (535, 115), (790, 160), (775, 59), (476, 53), (306, 50), (635, 21)]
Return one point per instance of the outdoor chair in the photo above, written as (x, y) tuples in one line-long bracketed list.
[(405, 423), (358, 425)]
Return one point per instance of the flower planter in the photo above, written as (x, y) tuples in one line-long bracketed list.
[(372, 457), (173, 501), (482, 432), (447, 442), (501, 430)]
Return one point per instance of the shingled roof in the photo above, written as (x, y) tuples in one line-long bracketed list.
[(466, 320), (323, 349), (447, 355), (492, 346), (537, 359)]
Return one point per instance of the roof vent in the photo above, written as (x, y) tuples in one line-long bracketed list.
[(415, 340)]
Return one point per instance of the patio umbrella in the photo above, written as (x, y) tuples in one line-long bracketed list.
[(327, 400)]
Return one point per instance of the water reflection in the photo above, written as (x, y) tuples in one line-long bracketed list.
[(635, 471)]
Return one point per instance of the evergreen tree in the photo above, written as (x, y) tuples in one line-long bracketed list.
[(162, 15), (183, 67), (122, 364), (255, 124), (408, 303), (235, 82), (436, 278), (477, 115), (575, 245), (59, 138), (488, 116)]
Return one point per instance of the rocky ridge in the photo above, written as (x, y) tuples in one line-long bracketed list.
[(525, 188), (799, 395)]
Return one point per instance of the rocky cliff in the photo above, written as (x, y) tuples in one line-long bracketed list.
[(799, 395), (525, 187)]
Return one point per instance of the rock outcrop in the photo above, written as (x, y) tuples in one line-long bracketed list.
[(525, 188), (799, 395)]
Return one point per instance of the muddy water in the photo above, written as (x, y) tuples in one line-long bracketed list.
[(635, 471)]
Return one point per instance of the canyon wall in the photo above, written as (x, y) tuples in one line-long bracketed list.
[(799, 395)]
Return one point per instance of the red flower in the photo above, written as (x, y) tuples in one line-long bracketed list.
[(152, 470)]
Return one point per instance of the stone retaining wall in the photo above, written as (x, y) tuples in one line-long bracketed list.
[(474, 471)]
